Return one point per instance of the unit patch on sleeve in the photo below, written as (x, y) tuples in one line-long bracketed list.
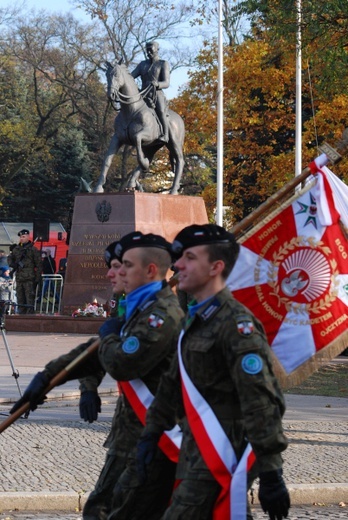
[(131, 345), (155, 321), (252, 364), (245, 325)]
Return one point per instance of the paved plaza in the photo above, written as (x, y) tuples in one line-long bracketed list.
[(51, 460)]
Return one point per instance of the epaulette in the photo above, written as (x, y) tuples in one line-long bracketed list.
[(147, 303), (210, 310)]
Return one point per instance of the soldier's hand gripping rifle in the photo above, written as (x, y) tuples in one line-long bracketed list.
[(24, 404)]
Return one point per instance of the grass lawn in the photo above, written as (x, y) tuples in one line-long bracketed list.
[(330, 380)]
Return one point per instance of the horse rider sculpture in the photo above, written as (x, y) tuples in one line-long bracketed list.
[(139, 123), (155, 72)]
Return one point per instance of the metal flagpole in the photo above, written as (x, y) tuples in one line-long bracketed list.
[(298, 134), (220, 143)]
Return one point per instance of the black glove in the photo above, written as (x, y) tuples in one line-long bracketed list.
[(34, 394), (90, 406), (110, 326), (146, 451), (273, 495)]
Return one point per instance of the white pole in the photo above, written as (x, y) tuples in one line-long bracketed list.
[(298, 134), (220, 142)]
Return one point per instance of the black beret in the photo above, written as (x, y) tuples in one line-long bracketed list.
[(110, 254), (138, 239), (199, 235), (23, 232)]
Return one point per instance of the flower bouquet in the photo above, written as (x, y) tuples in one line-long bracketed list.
[(91, 310)]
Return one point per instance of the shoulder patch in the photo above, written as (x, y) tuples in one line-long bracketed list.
[(131, 345), (252, 364), (245, 325), (155, 321)]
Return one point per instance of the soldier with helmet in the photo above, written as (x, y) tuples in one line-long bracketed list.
[(223, 382)]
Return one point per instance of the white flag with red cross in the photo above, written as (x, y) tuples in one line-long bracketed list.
[(292, 273)]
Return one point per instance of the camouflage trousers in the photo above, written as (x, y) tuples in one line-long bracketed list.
[(98, 505), (135, 501), (25, 297), (193, 500), (118, 494)]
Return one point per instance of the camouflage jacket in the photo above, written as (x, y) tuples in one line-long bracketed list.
[(91, 383), (143, 350), (228, 359), (26, 261)]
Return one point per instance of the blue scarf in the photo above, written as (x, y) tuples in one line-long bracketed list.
[(193, 307), (139, 295)]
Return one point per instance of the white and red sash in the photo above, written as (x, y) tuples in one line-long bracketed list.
[(140, 398), (217, 451)]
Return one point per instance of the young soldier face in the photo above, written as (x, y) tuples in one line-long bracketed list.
[(23, 239), (133, 272), (115, 278), (195, 269)]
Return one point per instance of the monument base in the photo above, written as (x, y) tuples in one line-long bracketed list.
[(99, 219), (53, 324)]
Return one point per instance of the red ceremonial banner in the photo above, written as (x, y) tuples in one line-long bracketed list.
[(292, 273)]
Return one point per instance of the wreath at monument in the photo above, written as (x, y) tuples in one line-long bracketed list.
[(91, 310)]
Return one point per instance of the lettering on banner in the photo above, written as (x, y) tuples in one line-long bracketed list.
[(341, 248), (334, 324)]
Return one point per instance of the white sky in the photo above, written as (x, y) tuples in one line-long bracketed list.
[(178, 77)]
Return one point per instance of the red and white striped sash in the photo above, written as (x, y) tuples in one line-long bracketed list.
[(217, 451), (140, 398)]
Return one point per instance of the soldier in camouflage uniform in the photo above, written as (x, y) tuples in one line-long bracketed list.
[(90, 403), (25, 260), (141, 346), (225, 352)]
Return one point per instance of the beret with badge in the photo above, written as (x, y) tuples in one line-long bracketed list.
[(133, 240), (138, 239), (199, 235), (110, 254), (23, 232)]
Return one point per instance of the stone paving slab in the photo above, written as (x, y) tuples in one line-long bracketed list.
[(51, 464), (316, 512), (43, 457)]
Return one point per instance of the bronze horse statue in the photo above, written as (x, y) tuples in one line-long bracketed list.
[(137, 125)]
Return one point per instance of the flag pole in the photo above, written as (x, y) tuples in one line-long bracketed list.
[(219, 166), (298, 131), (329, 155)]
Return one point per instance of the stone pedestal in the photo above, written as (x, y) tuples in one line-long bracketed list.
[(100, 219)]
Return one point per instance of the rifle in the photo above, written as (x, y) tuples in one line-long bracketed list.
[(61, 376), (55, 381)]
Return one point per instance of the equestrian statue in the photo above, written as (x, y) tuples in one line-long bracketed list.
[(144, 121)]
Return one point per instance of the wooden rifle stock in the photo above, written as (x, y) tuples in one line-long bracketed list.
[(56, 380)]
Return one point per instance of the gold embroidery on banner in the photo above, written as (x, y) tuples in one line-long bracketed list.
[(273, 276)]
